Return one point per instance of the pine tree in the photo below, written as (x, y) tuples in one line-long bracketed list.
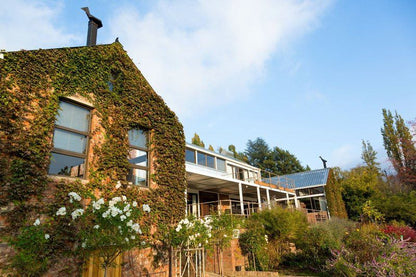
[(197, 140), (369, 156)]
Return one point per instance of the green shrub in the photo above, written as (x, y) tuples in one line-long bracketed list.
[(32, 251), (268, 236), (316, 244)]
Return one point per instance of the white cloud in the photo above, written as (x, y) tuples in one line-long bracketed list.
[(346, 156), (31, 24), (201, 53)]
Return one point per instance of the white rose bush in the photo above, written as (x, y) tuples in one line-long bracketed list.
[(192, 232), (106, 227)]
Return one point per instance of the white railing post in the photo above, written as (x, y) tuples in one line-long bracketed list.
[(268, 199), (240, 190), (259, 197), (296, 201)]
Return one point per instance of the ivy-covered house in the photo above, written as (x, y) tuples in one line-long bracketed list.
[(82, 119)]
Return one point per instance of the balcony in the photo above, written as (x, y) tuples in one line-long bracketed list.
[(248, 208)]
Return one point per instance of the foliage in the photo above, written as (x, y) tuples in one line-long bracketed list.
[(369, 156), (276, 160), (400, 232), (108, 228), (336, 205), (316, 244), (31, 85), (223, 227), (399, 144), (396, 258), (397, 206), (358, 186), (197, 140), (370, 213), (276, 229), (238, 155), (33, 251), (192, 232)]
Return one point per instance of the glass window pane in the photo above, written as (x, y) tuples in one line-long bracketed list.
[(138, 138), (66, 165), (190, 155), (137, 157), (137, 177), (73, 116), (220, 164), (201, 158), (69, 141), (210, 161)]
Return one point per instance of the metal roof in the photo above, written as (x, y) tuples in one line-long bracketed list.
[(309, 178)]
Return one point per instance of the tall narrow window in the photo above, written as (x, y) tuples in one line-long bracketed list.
[(138, 157), (70, 140)]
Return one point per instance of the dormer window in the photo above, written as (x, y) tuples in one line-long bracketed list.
[(138, 157), (70, 140)]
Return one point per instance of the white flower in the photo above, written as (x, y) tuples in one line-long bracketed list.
[(143, 243), (118, 185), (178, 228), (37, 222), (266, 238), (84, 244), (124, 198), (136, 228), (77, 213), (126, 208), (61, 211), (96, 226), (191, 237), (106, 213), (74, 196), (129, 223), (114, 201), (122, 217), (127, 239), (97, 204), (133, 237), (225, 235), (115, 211), (128, 214), (134, 204), (47, 236), (146, 208)]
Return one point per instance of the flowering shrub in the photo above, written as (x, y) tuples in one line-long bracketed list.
[(192, 232), (104, 228), (400, 232), (107, 228), (396, 258)]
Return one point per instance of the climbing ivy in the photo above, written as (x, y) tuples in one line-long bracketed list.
[(31, 86)]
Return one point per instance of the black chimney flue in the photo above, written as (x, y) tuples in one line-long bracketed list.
[(93, 25)]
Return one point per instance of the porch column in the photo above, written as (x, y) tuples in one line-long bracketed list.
[(186, 202), (268, 199), (296, 201), (287, 199), (240, 190), (259, 198)]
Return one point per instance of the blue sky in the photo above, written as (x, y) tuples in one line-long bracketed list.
[(307, 76)]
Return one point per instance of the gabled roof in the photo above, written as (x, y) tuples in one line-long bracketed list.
[(309, 178)]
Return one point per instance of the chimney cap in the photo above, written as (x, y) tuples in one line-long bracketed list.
[(92, 18)]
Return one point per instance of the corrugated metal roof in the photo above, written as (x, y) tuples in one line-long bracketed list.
[(309, 178)]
